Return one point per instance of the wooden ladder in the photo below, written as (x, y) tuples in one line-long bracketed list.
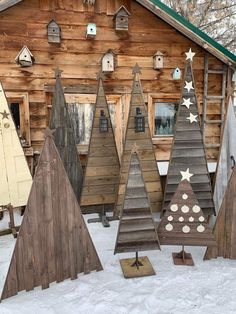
[(213, 98)]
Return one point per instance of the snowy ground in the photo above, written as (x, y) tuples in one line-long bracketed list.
[(207, 288)]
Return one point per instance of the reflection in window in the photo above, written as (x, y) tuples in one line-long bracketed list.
[(82, 119), (165, 117)]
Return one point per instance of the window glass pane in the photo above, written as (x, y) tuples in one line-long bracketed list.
[(165, 117)]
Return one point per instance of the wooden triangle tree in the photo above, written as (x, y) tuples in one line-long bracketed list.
[(103, 167), (136, 228), (54, 243), (64, 137), (15, 177), (188, 149), (224, 229), (138, 132), (184, 223)]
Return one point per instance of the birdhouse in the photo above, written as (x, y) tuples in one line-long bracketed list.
[(121, 19), (54, 32), (91, 30), (176, 75), (103, 122), (158, 60), (25, 58), (108, 61), (139, 121)]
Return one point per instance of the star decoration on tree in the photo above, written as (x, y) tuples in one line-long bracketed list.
[(192, 118), (189, 86), (135, 148), (58, 73), (186, 175), (5, 114), (49, 133), (186, 102), (190, 54)]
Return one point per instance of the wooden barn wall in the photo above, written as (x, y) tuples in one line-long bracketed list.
[(79, 58)]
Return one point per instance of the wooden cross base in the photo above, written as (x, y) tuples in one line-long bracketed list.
[(131, 269), (183, 258)]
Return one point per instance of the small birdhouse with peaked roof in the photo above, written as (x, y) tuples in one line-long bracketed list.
[(121, 19), (108, 61), (158, 60), (54, 32), (25, 58), (176, 74)]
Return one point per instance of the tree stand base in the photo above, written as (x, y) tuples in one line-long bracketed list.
[(183, 258), (133, 268)]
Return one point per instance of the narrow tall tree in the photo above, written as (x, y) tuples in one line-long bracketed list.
[(188, 152), (63, 131)]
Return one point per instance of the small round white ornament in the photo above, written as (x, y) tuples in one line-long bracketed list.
[(200, 228), (196, 209), (201, 219), (184, 196), (169, 227), (174, 207), (191, 219), (185, 209), (170, 218), (181, 219), (186, 229)]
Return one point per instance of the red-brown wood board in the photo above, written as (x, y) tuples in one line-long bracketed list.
[(53, 243)]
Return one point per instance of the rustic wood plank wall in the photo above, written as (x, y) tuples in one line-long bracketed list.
[(79, 58)]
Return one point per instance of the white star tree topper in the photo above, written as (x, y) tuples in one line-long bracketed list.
[(188, 86), (192, 118), (186, 175), (190, 54), (186, 102)]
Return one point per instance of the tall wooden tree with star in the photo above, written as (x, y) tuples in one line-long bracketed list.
[(138, 132), (188, 153), (15, 177), (64, 137)]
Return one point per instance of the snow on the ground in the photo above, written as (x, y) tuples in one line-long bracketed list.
[(207, 288)]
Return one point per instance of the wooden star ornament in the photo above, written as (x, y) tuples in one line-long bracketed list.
[(192, 118), (5, 115), (186, 102), (189, 86), (186, 175), (190, 54), (136, 69)]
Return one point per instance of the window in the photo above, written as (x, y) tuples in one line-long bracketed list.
[(164, 118)]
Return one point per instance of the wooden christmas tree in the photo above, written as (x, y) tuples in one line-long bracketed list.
[(54, 243), (138, 132), (103, 167), (184, 223), (136, 228), (188, 148), (15, 177), (224, 229), (227, 156), (63, 131)]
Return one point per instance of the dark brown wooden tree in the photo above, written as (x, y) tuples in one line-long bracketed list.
[(136, 228), (53, 243), (138, 132), (103, 166), (64, 137), (184, 223), (224, 229), (188, 150)]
